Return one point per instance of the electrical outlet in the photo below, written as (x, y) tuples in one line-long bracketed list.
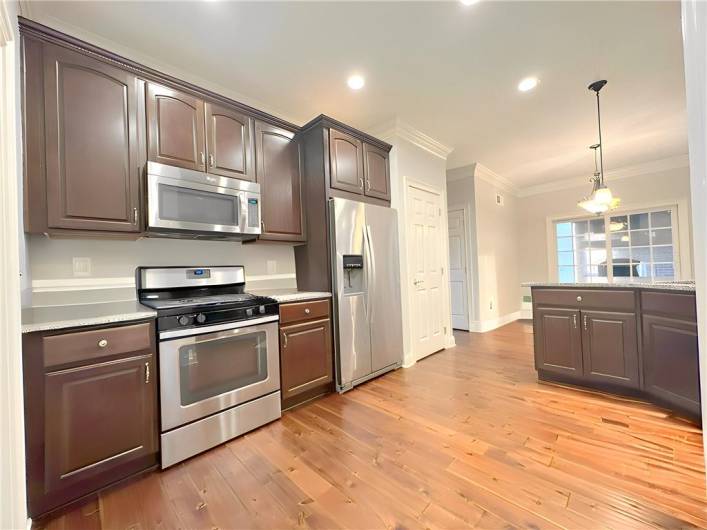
[(491, 304), (271, 266), (82, 266)]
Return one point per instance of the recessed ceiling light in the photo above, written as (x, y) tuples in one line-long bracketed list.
[(355, 82), (529, 83), (469, 2)]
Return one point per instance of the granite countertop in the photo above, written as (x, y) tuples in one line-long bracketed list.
[(291, 295), (683, 286), (70, 316)]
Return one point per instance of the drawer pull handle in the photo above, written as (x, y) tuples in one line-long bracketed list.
[(147, 373), (579, 298), (307, 311), (586, 324), (574, 321), (284, 340), (102, 343)]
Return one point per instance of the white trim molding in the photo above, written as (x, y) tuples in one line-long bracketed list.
[(482, 326), (400, 129), (646, 168), (483, 173)]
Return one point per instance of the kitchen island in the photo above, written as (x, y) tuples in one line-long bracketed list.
[(625, 338)]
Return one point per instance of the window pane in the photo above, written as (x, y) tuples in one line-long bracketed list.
[(563, 229), (659, 219), (663, 271), (596, 226), (663, 254), (619, 239), (564, 244), (566, 274), (565, 259), (581, 227), (642, 255), (640, 238), (618, 223), (638, 221), (643, 270), (663, 236)]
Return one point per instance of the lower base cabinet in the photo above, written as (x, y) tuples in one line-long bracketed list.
[(306, 351), (610, 348), (91, 411)]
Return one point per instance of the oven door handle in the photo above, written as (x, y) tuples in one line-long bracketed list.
[(173, 334)]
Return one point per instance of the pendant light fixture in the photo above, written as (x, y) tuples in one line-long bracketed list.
[(600, 200)]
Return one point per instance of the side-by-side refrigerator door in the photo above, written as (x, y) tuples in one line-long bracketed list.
[(384, 287), (350, 276)]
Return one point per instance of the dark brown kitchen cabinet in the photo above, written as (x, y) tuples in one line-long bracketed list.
[(346, 159), (90, 411), (306, 351), (671, 367), (610, 348), (279, 174), (175, 131), (91, 149), (558, 341), (376, 169), (229, 144)]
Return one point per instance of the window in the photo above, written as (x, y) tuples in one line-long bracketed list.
[(638, 246)]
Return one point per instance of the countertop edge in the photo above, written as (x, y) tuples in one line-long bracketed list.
[(683, 288), (85, 322)]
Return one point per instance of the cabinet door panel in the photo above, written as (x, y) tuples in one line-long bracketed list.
[(346, 162), (305, 357), (279, 176), (92, 151), (377, 173), (671, 362), (610, 348), (175, 128), (229, 142), (98, 417), (558, 341)]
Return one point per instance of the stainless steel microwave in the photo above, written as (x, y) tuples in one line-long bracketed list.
[(186, 203)]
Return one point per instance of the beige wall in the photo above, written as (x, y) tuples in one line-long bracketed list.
[(656, 189)]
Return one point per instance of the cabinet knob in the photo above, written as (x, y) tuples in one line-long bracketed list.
[(102, 343), (307, 311), (579, 298)]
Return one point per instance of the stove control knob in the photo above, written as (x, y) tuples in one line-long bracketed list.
[(183, 320), (201, 318), (249, 312), (261, 309)]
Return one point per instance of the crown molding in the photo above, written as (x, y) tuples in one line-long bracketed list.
[(483, 173), (646, 168), (396, 128)]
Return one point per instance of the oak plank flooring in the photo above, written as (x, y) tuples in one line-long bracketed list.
[(466, 438)]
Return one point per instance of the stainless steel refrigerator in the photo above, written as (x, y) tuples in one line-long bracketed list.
[(366, 281)]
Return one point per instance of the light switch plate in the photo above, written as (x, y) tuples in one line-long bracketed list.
[(82, 266)]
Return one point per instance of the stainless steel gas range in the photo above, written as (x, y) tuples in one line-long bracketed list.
[(218, 356)]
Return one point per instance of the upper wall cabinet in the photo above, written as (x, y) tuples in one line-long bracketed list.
[(279, 175), (229, 142), (346, 159), (175, 128), (376, 172), (87, 135)]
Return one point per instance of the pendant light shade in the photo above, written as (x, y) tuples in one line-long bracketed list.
[(600, 200)]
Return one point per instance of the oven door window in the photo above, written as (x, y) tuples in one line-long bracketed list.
[(218, 366), (187, 205)]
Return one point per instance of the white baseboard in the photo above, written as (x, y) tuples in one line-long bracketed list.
[(449, 341), (482, 326)]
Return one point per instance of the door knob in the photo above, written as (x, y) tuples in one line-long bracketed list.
[(102, 343), (418, 282)]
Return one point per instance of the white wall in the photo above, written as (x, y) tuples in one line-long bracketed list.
[(694, 23), (647, 190), (410, 162), (114, 262), (13, 512)]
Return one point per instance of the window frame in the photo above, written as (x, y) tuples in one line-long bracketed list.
[(676, 224)]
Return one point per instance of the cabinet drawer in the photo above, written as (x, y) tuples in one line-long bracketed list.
[(579, 298), (88, 346), (304, 311), (683, 306)]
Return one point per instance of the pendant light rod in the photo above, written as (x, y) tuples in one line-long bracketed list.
[(596, 86)]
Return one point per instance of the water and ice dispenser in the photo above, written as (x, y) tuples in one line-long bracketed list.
[(353, 273)]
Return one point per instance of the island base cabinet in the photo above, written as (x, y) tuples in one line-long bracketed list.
[(558, 342), (610, 348), (91, 412), (671, 363)]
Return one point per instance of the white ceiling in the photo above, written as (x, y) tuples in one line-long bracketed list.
[(450, 71)]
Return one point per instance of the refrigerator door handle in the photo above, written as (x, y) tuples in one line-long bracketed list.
[(371, 271)]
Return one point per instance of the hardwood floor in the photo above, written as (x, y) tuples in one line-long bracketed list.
[(466, 438)]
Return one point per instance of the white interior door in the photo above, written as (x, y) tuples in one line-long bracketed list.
[(424, 248), (458, 288)]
